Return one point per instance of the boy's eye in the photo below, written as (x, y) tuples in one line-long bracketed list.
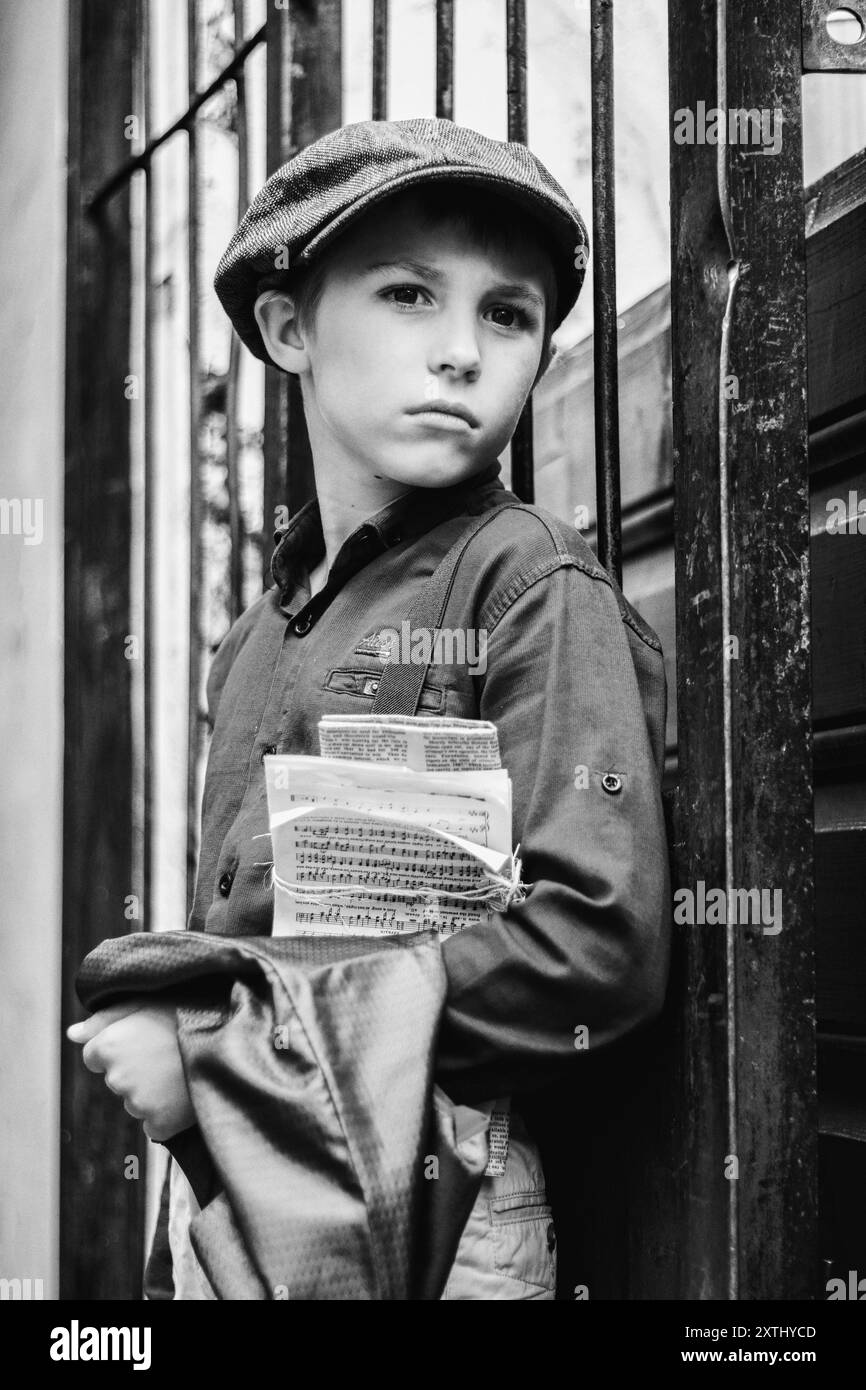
[(408, 295), (514, 317)]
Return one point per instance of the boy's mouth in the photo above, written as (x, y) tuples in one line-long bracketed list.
[(445, 413)]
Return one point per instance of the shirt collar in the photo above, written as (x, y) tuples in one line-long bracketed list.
[(301, 545)]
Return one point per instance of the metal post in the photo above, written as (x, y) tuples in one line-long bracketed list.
[(304, 101), (380, 60), (101, 1213), (743, 811), (606, 381), (522, 458), (445, 59)]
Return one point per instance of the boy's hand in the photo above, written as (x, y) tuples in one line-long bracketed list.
[(135, 1046)]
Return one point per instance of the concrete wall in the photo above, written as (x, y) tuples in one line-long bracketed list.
[(32, 276)]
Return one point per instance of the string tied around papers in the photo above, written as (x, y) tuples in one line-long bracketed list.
[(496, 890), (403, 823)]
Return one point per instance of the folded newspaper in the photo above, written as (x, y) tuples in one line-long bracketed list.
[(403, 824)]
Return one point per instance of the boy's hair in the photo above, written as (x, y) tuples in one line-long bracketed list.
[(490, 222)]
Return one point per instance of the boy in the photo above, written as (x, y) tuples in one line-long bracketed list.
[(427, 269)]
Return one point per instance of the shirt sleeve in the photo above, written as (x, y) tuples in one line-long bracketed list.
[(584, 958)]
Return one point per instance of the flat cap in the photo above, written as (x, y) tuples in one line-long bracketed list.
[(313, 198)]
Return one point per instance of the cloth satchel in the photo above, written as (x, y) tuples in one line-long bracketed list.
[(326, 1162)]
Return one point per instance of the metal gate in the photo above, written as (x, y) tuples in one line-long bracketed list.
[(704, 1179)]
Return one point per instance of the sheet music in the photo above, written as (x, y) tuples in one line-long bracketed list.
[(343, 830)]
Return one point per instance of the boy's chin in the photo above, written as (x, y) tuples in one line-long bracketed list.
[(436, 472)]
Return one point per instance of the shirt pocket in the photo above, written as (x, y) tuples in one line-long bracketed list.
[(362, 684)]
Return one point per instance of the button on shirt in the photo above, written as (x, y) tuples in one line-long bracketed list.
[(573, 680)]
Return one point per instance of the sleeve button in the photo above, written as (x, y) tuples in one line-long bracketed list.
[(611, 783)]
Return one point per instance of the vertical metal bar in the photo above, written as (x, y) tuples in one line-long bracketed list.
[(380, 60), (515, 56), (148, 558), (743, 1170), (771, 827), (279, 149), (196, 501), (522, 458), (101, 1213), (304, 101), (236, 535), (279, 86), (725, 500), (604, 291), (445, 59)]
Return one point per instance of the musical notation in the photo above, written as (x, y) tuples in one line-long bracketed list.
[(371, 845)]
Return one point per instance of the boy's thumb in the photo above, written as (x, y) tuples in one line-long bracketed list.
[(89, 1027)]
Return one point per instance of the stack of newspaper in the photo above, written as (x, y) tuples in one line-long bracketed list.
[(403, 824)]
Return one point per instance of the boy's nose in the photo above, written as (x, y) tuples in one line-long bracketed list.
[(456, 350)]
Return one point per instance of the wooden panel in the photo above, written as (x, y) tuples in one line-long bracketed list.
[(841, 805), (101, 1210), (836, 277), (840, 885), (842, 1086), (837, 383), (843, 1211), (838, 597), (839, 616)]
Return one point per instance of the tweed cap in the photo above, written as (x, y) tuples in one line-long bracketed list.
[(312, 199)]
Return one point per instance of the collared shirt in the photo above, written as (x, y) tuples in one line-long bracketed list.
[(573, 680)]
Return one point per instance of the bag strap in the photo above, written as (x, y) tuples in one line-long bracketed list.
[(400, 684), (399, 691)]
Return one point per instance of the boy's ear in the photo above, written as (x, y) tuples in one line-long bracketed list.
[(281, 334)]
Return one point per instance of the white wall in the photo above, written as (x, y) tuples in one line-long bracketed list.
[(32, 286)]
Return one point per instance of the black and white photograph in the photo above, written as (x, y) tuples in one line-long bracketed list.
[(433, 559)]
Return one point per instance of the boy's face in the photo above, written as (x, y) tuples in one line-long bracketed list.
[(411, 318)]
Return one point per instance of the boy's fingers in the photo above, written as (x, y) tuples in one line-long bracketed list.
[(92, 1057), (103, 1018)]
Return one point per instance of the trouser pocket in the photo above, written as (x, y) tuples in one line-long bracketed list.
[(508, 1247), (524, 1238)]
